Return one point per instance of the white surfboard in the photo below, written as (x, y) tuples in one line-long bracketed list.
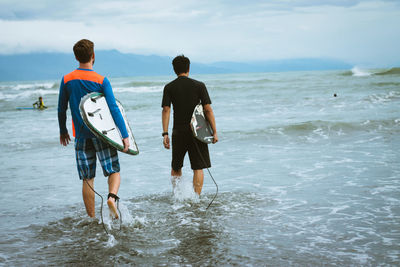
[(97, 117), (201, 128)]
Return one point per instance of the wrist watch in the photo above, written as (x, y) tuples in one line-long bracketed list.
[(164, 133)]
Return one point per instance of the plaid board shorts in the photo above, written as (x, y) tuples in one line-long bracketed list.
[(86, 151)]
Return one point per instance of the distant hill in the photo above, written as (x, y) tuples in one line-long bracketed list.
[(112, 63)]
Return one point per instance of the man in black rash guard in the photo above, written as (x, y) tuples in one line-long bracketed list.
[(185, 93)]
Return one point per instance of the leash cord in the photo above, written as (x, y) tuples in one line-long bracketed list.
[(120, 216), (101, 207), (204, 162)]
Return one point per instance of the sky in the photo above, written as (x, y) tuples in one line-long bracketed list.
[(361, 32)]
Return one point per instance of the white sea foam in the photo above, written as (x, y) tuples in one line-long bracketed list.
[(339, 208), (384, 98), (128, 219), (360, 73), (26, 86), (183, 190), (111, 242)]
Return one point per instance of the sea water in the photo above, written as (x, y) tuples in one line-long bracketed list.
[(305, 178)]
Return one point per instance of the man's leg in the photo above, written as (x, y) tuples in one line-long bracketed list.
[(88, 196), (175, 177), (108, 158), (198, 178), (179, 150), (86, 163), (114, 180)]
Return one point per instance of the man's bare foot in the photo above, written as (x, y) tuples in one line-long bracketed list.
[(112, 207)]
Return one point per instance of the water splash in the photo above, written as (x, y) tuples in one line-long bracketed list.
[(111, 242), (360, 73), (183, 190)]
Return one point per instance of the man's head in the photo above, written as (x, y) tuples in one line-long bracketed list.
[(181, 64), (84, 50)]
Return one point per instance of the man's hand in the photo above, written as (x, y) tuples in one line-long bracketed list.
[(126, 144), (166, 141), (215, 138), (64, 139)]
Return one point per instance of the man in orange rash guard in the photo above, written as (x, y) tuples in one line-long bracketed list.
[(73, 87)]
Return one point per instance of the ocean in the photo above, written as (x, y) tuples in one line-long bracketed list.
[(305, 178)]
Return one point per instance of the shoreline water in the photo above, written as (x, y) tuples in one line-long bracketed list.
[(305, 178)]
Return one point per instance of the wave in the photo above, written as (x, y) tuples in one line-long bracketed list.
[(27, 86), (139, 89), (367, 125), (384, 84), (320, 128), (382, 98), (240, 82), (26, 94), (143, 83), (255, 81), (357, 72), (392, 71)]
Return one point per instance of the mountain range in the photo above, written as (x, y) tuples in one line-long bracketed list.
[(112, 63)]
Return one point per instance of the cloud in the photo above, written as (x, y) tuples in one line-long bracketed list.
[(352, 30), (153, 10)]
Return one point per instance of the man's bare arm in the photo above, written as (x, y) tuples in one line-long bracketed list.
[(165, 114), (209, 113)]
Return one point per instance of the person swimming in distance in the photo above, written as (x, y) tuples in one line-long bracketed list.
[(39, 104)]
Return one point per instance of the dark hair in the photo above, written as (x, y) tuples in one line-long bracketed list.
[(181, 64), (84, 50)]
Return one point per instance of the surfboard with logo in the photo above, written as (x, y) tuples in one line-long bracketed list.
[(201, 128), (97, 117)]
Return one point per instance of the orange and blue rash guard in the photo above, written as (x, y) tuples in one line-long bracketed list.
[(73, 87)]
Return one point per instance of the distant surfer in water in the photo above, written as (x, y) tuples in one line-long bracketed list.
[(73, 87), (39, 104), (184, 94)]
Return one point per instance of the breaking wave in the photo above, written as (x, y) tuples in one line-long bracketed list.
[(27, 94), (392, 71), (357, 72), (320, 128)]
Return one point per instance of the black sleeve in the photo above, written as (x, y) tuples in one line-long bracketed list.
[(166, 100), (204, 97)]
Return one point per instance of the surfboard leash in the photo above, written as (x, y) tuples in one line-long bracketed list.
[(204, 162), (101, 209)]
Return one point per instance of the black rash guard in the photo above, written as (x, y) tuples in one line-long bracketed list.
[(184, 93)]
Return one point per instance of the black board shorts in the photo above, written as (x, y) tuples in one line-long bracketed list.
[(182, 142)]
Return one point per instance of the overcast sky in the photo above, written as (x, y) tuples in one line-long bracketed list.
[(363, 32)]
